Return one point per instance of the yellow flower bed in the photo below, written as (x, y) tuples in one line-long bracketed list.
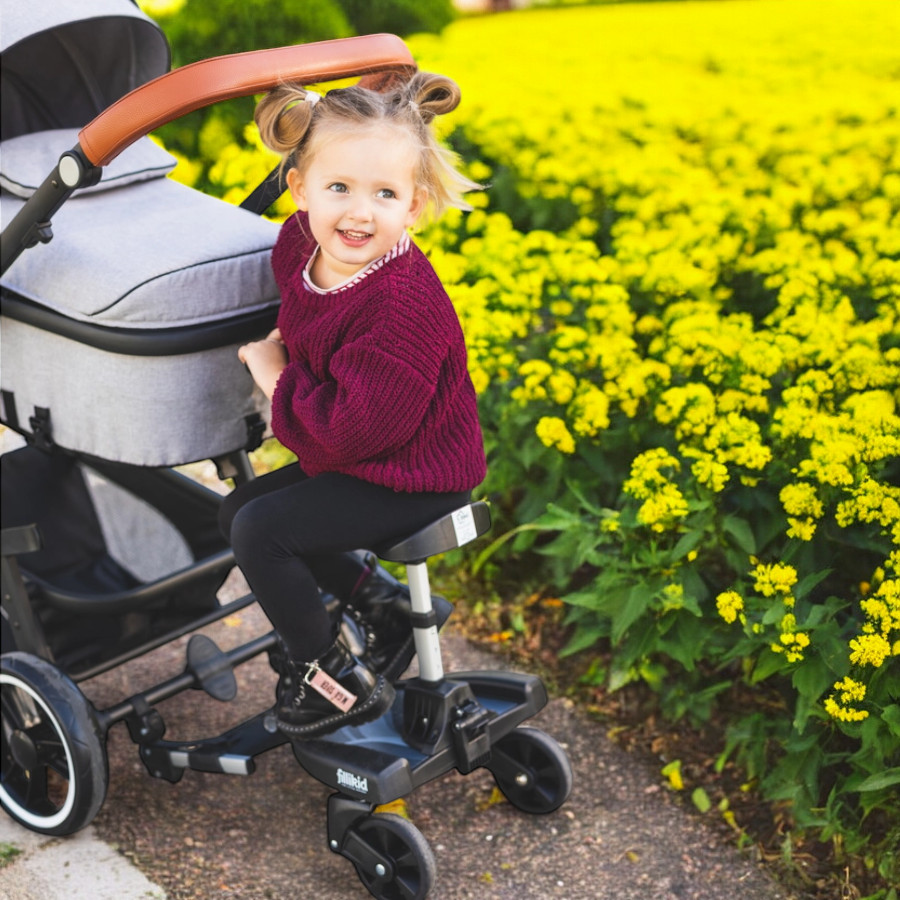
[(740, 165), (682, 295)]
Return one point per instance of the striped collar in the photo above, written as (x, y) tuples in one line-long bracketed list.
[(401, 247)]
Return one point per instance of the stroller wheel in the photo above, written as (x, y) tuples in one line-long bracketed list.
[(410, 871), (531, 770), (54, 764)]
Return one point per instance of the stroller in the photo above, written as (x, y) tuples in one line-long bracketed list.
[(119, 367)]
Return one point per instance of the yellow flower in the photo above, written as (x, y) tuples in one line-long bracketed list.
[(774, 579), (800, 499), (590, 411), (647, 472), (730, 604), (663, 508), (850, 692), (552, 432), (869, 650)]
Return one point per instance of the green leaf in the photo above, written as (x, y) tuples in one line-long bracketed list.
[(492, 548), (880, 780), (592, 508), (701, 800), (583, 639), (768, 664), (806, 584), (891, 718), (812, 677), (636, 604), (686, 543), (741, 532)]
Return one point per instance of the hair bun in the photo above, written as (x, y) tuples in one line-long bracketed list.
[(434, 95), (283, 118)]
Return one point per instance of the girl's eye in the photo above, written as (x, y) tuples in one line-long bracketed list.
[(338, 187), (386, 194)]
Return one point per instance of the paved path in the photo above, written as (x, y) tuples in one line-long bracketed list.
[(621, 836)]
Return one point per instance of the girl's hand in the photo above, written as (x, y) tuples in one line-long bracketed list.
[(265, 359)]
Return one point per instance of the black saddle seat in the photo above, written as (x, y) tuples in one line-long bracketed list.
[(447, 533)]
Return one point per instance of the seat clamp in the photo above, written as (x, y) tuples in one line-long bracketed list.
[(423, 620)]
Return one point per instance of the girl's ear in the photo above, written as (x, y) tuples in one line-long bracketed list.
[(417, 207), (295, 186)]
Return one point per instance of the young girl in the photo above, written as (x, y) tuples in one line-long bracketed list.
[(369, 387)]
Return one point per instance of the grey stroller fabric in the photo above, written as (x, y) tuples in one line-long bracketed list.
[(155, 255), (25, 161), (138, 255)]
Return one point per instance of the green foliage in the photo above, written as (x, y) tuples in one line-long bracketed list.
[(401, 17), (205, 28)]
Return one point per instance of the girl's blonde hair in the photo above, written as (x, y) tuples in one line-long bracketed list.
[(297, 124)]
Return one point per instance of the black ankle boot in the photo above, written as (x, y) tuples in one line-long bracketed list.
[(381, 606), (335, 690)]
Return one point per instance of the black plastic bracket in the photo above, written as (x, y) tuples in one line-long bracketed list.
[(343, 838), (231, 753), (145, 724), (41, 429), (471, 737), (22, 629), (446, 714), (235, 465), (256, 429)]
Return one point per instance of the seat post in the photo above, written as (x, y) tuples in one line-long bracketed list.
[(425, 633)]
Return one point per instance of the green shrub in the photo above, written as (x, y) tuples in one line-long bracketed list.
[(401, 17)]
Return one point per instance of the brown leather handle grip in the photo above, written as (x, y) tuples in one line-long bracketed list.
[(225, 77)]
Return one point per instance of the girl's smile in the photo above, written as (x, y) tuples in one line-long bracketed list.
[(361, 195)]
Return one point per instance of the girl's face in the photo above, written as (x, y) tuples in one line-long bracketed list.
[(360, 194)]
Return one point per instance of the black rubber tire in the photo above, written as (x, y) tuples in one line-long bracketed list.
[(55, 770), (532, 770), (414, 869)]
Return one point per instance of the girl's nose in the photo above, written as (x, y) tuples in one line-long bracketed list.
[(361, 210)]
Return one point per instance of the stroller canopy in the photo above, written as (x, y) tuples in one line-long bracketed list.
[(64, 61)]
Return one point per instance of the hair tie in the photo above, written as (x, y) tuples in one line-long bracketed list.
[(312, 98), (414, 106)]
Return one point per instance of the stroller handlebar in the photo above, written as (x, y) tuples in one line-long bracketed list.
[(210, 81)]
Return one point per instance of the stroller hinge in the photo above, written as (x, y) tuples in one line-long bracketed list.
[(38, 233), (41, 430)]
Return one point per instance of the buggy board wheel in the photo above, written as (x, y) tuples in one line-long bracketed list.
[(411, 869), (54, 764), (531, 770)]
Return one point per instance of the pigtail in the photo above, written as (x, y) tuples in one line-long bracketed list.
[(433, 95), (283, 117), (423, 97)]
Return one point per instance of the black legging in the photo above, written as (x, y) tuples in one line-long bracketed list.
[(292, 533)]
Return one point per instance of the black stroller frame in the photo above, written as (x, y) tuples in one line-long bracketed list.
[(72, 611)]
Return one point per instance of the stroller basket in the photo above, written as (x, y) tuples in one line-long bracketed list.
[(122, 557)]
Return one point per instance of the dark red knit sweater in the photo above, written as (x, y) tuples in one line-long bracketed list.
[(377, 385)]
